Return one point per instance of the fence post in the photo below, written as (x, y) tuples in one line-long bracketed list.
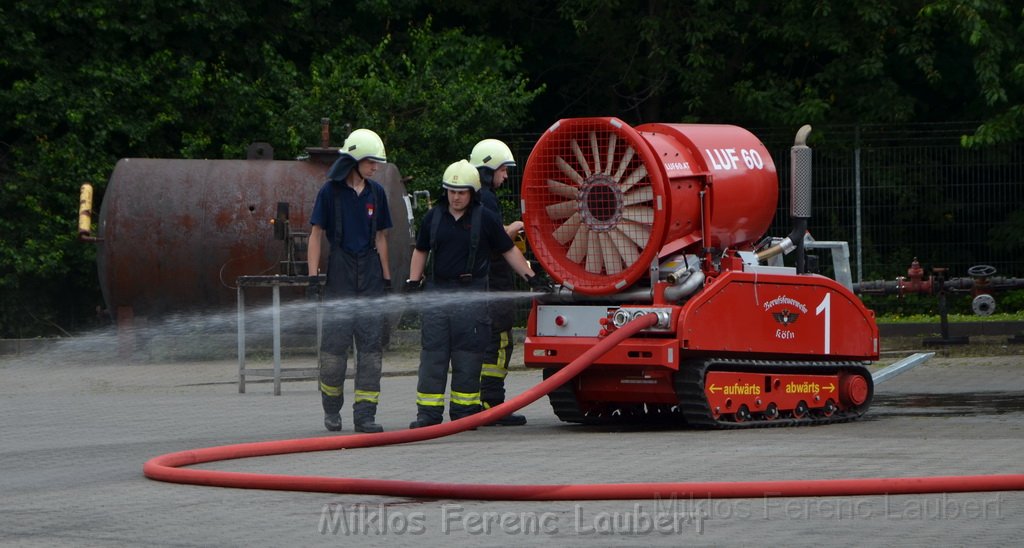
[(857, 203)]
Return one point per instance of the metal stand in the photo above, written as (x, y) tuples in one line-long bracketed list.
[(944, 316), (275, 283)]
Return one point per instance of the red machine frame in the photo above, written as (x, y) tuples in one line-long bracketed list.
[(737, 340)]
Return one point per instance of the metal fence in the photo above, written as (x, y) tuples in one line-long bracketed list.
[(896, 193)]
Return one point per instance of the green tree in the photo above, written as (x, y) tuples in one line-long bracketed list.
[(430, 94), (86, 83), (753, 63), (984, 60), (769, 63)]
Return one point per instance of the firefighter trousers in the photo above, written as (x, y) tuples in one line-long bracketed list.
[(495, 367), (500, 345), (352, 317), (452, 336)]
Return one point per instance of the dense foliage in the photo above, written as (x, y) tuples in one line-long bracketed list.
[(85, 83)]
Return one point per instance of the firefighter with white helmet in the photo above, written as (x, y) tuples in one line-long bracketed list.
[(458, 235), (351, 210), (492, 159)]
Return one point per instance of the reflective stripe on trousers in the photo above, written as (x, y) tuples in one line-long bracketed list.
[(499, 367), (430, 400), (368, 396), (463, 398)]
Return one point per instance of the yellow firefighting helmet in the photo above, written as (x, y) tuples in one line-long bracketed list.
[(364, 144), (491, 153), (461, 176)]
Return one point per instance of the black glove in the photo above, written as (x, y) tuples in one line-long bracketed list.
[(387, 286), (540, 284), (413, 285)]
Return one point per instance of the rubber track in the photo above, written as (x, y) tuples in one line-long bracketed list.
[(567, 408), (564, 403), (690, 389)]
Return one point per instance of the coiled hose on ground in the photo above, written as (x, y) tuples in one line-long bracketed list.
[(172, 466)]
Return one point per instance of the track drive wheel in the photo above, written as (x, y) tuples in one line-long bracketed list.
[(801, 410)]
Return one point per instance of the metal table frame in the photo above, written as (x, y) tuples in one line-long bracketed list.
[(275, 283)]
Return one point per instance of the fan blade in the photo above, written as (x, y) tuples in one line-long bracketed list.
[(596, 151), (634, 178), (639, 214), (563, 190), (626, 248), (638, 196), (594, 253), (579, 158), (568, 171), (612, 260), (578, 250), (611, 153), (565, 233), (637, 232), (561, 210), (624, 163)]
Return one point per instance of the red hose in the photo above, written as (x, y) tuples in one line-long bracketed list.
[(169, 467)]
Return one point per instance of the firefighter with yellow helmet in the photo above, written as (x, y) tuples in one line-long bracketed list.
[(351, 210), (492, 159), (458, 235)]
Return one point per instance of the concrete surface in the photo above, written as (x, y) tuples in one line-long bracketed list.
[(75, 432)]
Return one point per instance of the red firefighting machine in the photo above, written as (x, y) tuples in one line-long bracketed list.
[(669, 220)]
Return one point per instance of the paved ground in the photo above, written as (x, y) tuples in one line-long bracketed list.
[(77, 427)]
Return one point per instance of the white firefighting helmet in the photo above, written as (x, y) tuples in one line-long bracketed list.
[(364, 144), (491, 153), (461, 176)]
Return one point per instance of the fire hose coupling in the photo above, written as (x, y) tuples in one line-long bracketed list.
[(679, 276), (624, 315), (784, 247)]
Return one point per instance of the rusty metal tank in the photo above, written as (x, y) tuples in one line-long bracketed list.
[(174, 235)]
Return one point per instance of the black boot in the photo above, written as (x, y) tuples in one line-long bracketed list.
[(458, 411), (427, 416), (332, 421), (368, 427), (512, 419), (363, 414), (332, 378), (332, 411)]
